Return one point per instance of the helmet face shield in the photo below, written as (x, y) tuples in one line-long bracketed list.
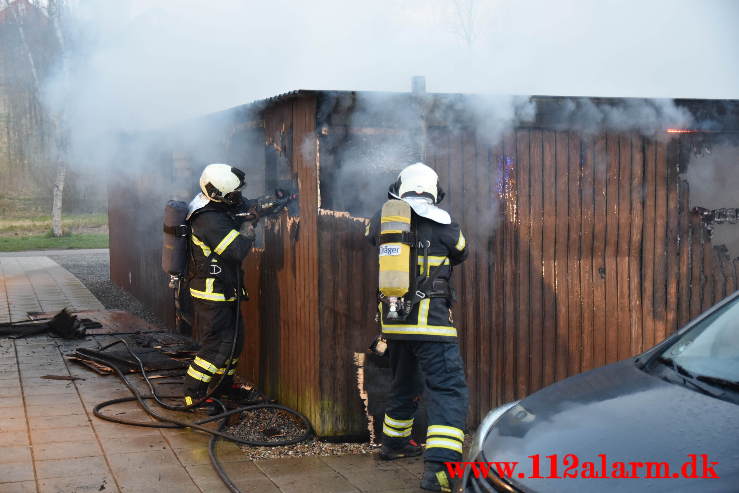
[(233, 198)]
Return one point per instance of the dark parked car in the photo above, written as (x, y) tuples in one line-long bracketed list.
[(669, 418)]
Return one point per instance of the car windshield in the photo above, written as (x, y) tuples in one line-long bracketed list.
[(711, 348)]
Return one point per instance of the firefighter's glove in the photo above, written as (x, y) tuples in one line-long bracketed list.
[(247, 231)]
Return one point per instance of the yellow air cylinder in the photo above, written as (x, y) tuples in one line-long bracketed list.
[(395, 256)]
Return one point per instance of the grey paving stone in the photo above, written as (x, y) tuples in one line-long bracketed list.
[(70, 467), (15, 472)]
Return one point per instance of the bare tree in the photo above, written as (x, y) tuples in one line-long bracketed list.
[(55, 9), (57, 155), (466, 11)]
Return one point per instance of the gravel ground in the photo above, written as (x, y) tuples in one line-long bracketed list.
[(94, 271), (266, 425)]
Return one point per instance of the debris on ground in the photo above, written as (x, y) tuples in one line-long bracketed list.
[(272, 424), (313, 447), (64, 324), (60, 377)]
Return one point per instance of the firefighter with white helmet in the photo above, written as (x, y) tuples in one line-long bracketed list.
[(218, 245), (418, 245), (221, 234)]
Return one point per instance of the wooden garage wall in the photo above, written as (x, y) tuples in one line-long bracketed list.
[(289, 363), (595, 256)]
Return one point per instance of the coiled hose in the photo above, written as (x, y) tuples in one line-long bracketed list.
[(167, 422)]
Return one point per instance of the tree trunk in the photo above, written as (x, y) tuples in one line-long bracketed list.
[(56, 207)]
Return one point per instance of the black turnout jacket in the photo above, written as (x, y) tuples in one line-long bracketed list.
[(216, 253), (431, 319)]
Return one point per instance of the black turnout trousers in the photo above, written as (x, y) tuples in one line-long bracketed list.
[(442, 370), (215, 321)]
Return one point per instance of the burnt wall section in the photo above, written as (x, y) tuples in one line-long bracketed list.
[(289, 297), (347, 283), (583, 250), (583, 246)]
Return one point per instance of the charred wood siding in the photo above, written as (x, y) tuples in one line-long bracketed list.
[(583, 250), (593, 259), (289, 297)]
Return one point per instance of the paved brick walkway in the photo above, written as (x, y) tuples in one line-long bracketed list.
[(51, 442), (38, 284)]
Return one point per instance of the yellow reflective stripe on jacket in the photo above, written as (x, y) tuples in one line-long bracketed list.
[(205, 248), (206, 365), (444, 443), (392, 432), (424, 331), (434, 261), (447, 431), (398, 423), (396, 219), (461, 242), (188, 400), (198, 375), (227, 240), (203, 295), (423, 312)]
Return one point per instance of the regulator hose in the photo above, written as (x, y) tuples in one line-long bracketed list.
[(168, 422)]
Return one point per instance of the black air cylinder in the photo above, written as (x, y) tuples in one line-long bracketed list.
[(174, 246)]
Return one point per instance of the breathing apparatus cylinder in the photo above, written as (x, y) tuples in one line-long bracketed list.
[(394, 254), (174, 244)]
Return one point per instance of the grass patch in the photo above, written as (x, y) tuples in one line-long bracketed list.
[(32, 225), (48, 242)]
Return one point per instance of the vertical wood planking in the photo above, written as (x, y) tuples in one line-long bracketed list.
[(684, 249), (707, 277), (523, 299), (635, 249), (509, 254), (498, 283), (482, 250), (612, 186), (625, 220), (600, 179), (649, 248), (587, 252), (730, 275), (561, 207), (696, 261), (548, 238), (660, 244), (673, 209), (536, 270), (574, 259), (498, 304), (719, 280), (471, 266)]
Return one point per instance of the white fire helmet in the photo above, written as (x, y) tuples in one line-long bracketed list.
[(219, 180), (418, 185), (418, 180)]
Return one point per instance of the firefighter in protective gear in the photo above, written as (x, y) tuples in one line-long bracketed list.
[(426, 338), (219, 242)]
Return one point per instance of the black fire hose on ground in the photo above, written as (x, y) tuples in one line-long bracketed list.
[(167, 422)]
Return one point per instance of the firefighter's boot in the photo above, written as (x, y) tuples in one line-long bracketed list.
[(436, 477), (407, 449), (238, 394)]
